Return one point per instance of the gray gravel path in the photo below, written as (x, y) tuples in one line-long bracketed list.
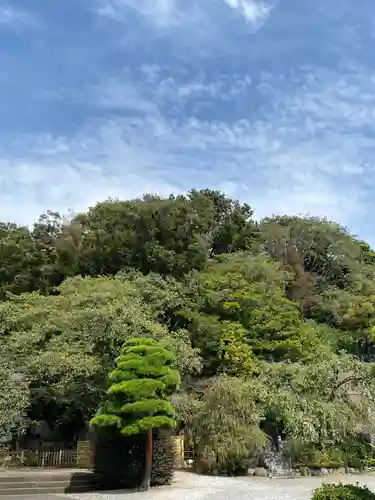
[(193, 487)]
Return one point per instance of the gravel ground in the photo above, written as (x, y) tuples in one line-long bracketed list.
[(193, 487)]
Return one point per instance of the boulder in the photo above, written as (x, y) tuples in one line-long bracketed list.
[(260, 472), (316, 472)]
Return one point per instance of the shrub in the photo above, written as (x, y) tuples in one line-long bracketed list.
[(343, 492), (231, 465), (236, 466), (163, 463), (120, 462), (225, 426), (305, 471), (360, 447), (355, 462), (316, 459), (357, 452)]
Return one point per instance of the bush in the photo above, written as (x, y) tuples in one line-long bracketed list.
[(357, 452), (343, 492), (354, 452), (237, 466), (316, 459), (360, 448), (231, 466), (305, 471), (163, 463), (355, 462), (119, 461)]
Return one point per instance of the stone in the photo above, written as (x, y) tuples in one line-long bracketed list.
[(316, 472), (250, 472), (261, 472), (8, 461)]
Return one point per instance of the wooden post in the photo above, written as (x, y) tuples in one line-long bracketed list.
[(84, 455), (178, 451)]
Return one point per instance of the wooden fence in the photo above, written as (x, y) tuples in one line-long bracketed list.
[(46, 459), (81, 457)]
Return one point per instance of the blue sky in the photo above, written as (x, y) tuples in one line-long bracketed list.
[(272, 102)]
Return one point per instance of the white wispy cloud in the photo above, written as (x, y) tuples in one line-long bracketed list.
[(188, 22), (284, 137), (69, 186), (12, 16), (253, 11), (200, 26), (174, 12), (291, 161), (160, 12)]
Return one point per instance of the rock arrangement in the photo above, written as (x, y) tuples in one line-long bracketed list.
[(305, 471)]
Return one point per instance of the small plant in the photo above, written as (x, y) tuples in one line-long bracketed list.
[(304, 471), (343, 492)]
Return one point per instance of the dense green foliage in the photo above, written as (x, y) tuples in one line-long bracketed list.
[(140, 387), (119, 461), (272, 321), (343, 492)]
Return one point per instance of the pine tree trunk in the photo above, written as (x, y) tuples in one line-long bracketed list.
[(146, 483)]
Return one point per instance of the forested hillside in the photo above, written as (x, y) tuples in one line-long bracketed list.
[(273, 322)]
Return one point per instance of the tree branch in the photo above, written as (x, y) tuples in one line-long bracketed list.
[(343, 382)]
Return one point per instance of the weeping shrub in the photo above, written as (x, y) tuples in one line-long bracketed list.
[(222, 421)]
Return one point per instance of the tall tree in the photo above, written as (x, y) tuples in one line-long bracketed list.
[(318, 252), (66, 344), (14, 400), (242, 310), (169, 236), (139, 394)]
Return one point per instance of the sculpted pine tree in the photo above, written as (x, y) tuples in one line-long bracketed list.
[(139, 393)]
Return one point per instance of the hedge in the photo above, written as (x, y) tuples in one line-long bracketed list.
[(119, 461)]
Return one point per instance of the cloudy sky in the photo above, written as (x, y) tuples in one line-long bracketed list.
[(271, 101)]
